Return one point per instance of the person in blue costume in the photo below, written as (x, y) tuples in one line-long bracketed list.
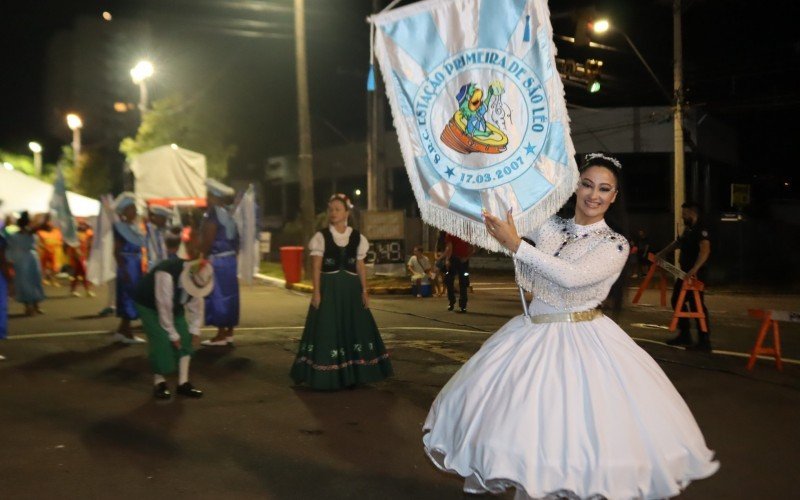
[(5, 281), (219, 241), (128, 243), (27, 268), (156, 232)]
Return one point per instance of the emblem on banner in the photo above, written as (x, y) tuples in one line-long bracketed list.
[(470, 130), (483, 118)]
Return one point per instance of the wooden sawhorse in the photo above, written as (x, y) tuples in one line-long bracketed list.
[(695, 287), (662, 283), (769, 319)]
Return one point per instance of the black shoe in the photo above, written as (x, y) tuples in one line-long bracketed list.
[(450, 307), (160, 391), (700, 347), (462, 310), (188, 390), (681, 340)]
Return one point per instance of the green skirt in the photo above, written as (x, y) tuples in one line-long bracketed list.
[(341, 346), (162, 354)]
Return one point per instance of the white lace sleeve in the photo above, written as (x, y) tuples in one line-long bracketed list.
[(363, 247), (195, 309), (602, 262), (316, 246), (164, 289), (536, 234)]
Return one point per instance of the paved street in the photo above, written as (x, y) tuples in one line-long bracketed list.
[(78, 419)]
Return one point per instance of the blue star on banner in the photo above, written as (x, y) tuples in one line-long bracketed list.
[(449, 171), (529, 149)]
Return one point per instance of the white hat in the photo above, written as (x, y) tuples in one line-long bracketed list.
[(219, 189), (161, 210), (124, 200), (197, 278)]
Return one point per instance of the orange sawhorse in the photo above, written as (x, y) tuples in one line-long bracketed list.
[(758, 348), (662, 284), (695, 287)]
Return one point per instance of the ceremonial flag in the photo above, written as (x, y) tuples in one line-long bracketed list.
[(62, 214), (101, 266), (479, 110), (245, 217)]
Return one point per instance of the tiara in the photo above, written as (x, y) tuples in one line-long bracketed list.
[(594, 156)]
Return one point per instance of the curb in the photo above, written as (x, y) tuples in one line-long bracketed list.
[(302, 287)]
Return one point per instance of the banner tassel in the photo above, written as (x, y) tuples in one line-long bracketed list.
[(527, 36), (371, 74), (371, 78)]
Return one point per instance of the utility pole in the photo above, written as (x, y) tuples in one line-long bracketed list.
[(677, 72), (377, 186), (305, 171)]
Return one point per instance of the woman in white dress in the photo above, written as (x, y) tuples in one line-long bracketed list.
[(564, 404)]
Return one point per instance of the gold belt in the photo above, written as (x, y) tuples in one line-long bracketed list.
[(572, 317)]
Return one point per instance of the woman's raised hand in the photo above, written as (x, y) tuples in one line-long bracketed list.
[(504, 231)]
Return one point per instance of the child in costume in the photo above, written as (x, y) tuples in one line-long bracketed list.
[(78, 256), (169, 300), (27, 268)]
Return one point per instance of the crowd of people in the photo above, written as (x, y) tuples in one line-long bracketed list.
[(33, 253)]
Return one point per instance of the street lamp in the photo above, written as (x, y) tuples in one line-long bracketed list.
[(75, 124), (601, 26), (140, 73), (36, 148)]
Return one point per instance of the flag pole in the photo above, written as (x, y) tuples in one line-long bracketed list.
[(524, 303)]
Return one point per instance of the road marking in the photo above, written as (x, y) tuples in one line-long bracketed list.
[(650, 326), (724, 353), (437, 328), (431, 345), (498, 288), (211, 329), (747, 355), (56, 334)]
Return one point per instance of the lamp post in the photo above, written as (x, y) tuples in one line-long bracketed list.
[(601, 26), (139, 74), (75, 124), (36, 148), (305, 159)]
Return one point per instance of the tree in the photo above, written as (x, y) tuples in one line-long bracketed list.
[(196, 125), (93, 176), (23, 163)]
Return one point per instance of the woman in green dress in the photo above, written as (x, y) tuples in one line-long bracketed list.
[(341, 346)]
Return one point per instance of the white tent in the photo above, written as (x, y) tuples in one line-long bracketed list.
[(169, 172), (22, 192)]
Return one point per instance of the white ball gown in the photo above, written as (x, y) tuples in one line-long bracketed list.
[(566, 409)]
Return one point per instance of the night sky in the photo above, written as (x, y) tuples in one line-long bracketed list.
[(742, 65)]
